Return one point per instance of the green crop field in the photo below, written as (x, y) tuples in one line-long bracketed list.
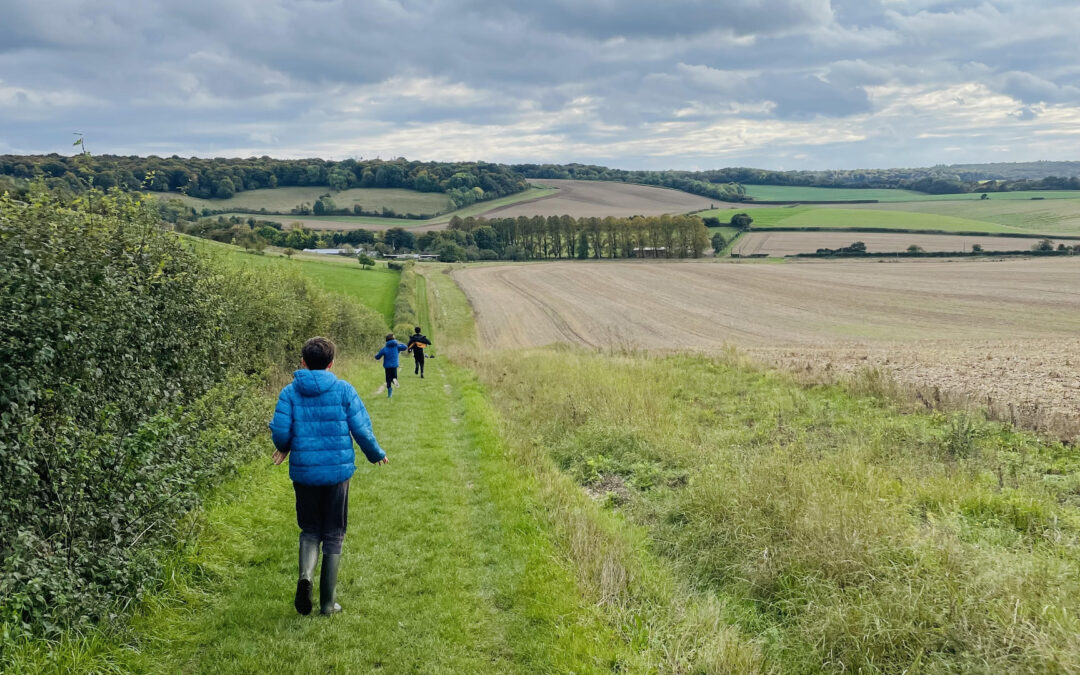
[(893, 220), (854, 219), (1050, 216), (790, 193), (282, 200)]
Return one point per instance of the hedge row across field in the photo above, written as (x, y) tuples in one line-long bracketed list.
[(134, 378)]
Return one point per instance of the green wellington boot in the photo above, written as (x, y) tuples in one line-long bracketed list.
[(328, 583), (309, 558)]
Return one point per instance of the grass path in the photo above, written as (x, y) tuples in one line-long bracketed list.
[(445, 569)]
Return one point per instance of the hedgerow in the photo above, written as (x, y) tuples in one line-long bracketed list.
[(405, 316), (133, 375)]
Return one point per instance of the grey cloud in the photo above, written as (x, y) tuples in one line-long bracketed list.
[(1030, 88), (803, 97), (203, 75), (605, 19)]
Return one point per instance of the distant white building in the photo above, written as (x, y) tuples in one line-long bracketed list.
[(411, 256), (323, 251)]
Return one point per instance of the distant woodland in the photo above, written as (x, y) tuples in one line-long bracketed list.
[(726, 184), (469, 182), (464, 182)]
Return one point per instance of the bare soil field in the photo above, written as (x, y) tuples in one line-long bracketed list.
[(586, 198), (1006, 331), (791, 243)]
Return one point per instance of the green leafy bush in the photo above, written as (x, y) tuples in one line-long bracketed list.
[(133, 377)]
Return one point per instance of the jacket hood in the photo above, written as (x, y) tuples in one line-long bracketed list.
[(313, 382), (391, 342)]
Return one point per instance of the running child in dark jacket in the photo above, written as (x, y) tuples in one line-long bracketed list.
[(316, 419), (417, 343), (389, 355)]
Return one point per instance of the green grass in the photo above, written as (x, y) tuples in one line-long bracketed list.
[(446, 566), (786, 193), (282, 200), (376, 287), (444, 569), (830, 530), (854, 219)]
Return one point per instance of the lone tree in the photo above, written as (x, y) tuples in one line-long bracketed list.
[(976, 248), (365, 260), (1043, 245), (289, 252), (984, 196), (741, 221), (915, 248), (718, 243)]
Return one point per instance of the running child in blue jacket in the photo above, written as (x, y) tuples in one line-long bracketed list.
[(316, 419), (389, 355)]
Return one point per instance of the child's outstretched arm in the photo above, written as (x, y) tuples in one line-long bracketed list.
[(360, 428), (281, 426)]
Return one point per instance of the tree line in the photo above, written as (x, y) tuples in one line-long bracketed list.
[(521, 238), (468, 182), (726, 184), (559, 237), (219, 178)]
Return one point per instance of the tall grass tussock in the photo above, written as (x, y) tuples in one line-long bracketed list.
[(830, 531)]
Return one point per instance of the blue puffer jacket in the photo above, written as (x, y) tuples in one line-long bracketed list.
[(314, 418), (389, 353)]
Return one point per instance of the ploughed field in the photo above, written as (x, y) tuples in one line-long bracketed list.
[(791, 243), (585, 199), (1004, 332)]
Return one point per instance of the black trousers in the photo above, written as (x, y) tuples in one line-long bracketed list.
[(418, 356), (391, 375), (322, 512)]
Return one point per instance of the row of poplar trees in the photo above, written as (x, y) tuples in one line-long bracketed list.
[(668, 236)]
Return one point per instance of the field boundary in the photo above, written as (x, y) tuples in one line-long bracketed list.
[(908, 230)]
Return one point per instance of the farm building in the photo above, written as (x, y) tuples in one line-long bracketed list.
[(650, 252)]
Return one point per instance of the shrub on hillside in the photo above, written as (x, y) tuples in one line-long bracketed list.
[(133, 376)]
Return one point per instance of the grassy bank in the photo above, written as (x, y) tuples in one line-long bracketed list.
[(846, 535)]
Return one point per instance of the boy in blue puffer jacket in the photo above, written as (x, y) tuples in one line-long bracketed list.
[(389, 354), (316, 419)]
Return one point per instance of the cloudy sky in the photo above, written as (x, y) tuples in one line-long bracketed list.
[(781, 84)]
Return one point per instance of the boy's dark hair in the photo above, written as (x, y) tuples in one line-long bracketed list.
[(418, 329), (389, 337), (318, 353)]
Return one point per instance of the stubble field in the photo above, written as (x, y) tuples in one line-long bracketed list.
[(791, 243), (1004, 332)]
